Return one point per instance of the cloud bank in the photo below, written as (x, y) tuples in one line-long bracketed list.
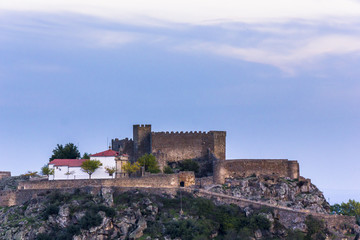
[(286, 34)]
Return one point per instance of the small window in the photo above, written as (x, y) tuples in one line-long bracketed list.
[(182, 184)]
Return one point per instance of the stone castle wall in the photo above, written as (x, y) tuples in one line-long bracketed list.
[(178, 146), (4, 174), (248, 167), (150, 181)]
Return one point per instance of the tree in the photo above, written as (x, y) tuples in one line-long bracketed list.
[(30, 174), (45, 170), (86, 156), (110, 170), (131, 167), (69, 151), (90, 166), (351, 208), (149, 162), (189, 165)]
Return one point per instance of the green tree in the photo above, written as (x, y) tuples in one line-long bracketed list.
[(131, 167), (69, 151), (351, 208), (86, 156), (90, 166), (149, 162), (45, 170), (30, 174), (189, 165), (110, 170)]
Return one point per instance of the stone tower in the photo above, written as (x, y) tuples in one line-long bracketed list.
[(142, 140)]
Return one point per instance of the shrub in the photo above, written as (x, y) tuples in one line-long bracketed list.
[(315, 228), (50, 210), (168, 170), (189, 165), (149, 162), (91, 219)]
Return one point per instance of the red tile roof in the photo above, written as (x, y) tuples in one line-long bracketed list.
[(107, 153), (68, 162)]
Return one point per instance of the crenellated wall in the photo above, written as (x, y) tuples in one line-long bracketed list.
[(248, 167), (177, 146)]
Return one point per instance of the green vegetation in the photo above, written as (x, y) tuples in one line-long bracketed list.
[(131, 167), (86, 155), (69, 151), (45, 170), (189, 165), (315, 228), (351, 208), (168, 170), (149, 162), (30, 174), (90, 166), (110, 170)]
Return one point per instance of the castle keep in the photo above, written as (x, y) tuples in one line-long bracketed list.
[(207, 148)]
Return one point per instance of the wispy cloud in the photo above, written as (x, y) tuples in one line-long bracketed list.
[(281, 33), (195, 11)]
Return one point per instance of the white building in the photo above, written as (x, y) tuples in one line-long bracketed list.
[(68, 169)]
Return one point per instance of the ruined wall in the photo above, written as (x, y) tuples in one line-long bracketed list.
[(4, 174), (177, 146), (248, 167), (150, 181)]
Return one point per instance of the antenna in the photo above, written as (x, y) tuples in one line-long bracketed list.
[(107, 142)]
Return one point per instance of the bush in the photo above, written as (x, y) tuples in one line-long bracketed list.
[(91, 219), (315, 228), (149, 162), (189, 165), (50, 210), (168, 170)]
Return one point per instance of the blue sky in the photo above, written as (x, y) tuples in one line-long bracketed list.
[(281, 77)]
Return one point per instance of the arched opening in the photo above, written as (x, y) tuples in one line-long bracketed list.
[(182, 184)]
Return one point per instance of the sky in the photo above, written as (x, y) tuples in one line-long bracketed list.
[(281, 77)]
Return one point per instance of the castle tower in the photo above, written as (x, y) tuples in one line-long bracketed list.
[(142, 140), (219, 144)]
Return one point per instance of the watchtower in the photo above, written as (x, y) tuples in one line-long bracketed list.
[(142, 140)]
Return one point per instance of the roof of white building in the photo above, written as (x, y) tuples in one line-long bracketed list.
[(68, 162), (107, 153)]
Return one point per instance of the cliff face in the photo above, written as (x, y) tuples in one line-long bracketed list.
[(296, 194)]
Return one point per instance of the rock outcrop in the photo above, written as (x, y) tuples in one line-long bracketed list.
[(293, 193)]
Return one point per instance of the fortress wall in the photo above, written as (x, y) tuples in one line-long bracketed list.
[(177, 146), (4, 174), (151, 181), (248, 167)]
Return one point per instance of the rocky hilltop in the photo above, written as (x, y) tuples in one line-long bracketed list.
[(297, 194), (110, 213)]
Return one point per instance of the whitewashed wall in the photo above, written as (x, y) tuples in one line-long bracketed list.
[(101, 172), (61, 173)]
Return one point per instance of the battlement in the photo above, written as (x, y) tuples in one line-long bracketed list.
[(142, 125), (195, 133)]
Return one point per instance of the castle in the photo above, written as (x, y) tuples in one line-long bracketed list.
[(207, 148)]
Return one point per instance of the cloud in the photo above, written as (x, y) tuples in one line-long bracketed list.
[(287, 34), (198, 12), (285, 54)]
